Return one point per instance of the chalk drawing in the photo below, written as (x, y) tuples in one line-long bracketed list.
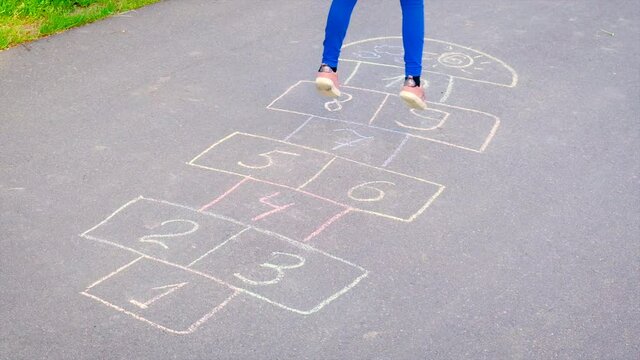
[(310, 215), (325, 135), (153, 238), (133, 221), (177, 314), (394, 50), (367, 54), (350, 143), (336, 104), (276, 208), (172, 288), (409, 195), (269, 159), (367, 186), (275, 164), (442, 57), (394, 81), (279, 269), (223, 257), (358, 272), (456, 120), (396, 152), (436, 115)]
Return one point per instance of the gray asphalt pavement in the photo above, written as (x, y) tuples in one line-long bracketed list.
[(172, 187)]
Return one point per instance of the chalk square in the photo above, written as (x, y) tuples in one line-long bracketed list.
[(355, 105), (459, 127), (262, 158), (280, 271), (375, 190), (163, 230), (294, 214), (358, 142), (164, 296)]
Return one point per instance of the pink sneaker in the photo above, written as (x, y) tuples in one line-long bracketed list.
[(413, 95), (327, 81)]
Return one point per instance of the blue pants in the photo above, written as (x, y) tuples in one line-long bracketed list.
[(412, 33)]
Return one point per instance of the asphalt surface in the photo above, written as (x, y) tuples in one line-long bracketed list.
[(172, 187)]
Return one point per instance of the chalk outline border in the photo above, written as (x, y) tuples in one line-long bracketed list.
[(482, 148), (514, 75), (355, 209), (192, 328), (314, 233), (211, 277)]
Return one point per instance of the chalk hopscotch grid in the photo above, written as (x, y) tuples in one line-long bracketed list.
[(306, 247), (411, 218), (322, 227), (193, 327), (481, 149), (347, 209), (514, 75)]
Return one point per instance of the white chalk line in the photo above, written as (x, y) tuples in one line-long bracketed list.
[(113, 273), (110, 216), (330, 154), (189, 330), (396, 151), (233, 287), (298, 128), (426, 205), (212, 146), (316, 175), (462, 147), (378, 110), (217, 247), (335, 157), (355, 209), (447, 92), (283, 94), (492, 133), (353, 73), (514, 81), (272, 183)]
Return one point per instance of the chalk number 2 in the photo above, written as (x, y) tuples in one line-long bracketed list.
[(153, 239)]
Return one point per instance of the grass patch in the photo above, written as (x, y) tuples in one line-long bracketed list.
[(26, 20)]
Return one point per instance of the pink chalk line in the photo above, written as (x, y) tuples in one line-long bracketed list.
[(276, 208), (326, 224), (224, 195)]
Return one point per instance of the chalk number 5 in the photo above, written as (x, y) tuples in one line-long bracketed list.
[(268, 156)]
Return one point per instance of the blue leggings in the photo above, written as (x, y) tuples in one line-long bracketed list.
[(412, 33)]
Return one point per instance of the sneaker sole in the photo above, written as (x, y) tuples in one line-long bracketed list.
[(325, 87), (413, 101)]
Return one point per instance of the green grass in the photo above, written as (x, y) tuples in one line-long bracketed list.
[(26, 20)]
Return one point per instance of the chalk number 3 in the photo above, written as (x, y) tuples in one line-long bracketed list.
[(279, 269)]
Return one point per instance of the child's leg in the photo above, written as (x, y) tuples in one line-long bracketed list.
[(413, 35), (336, 29)]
